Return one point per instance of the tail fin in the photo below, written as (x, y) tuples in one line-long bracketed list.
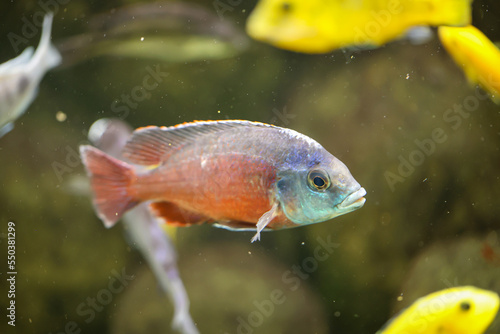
[(52, 58), (452, 12), (46, 55), (109, 180)]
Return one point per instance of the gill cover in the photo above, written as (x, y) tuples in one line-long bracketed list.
[(313, 195)]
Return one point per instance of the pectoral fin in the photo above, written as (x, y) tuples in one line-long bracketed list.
[(266, 219)]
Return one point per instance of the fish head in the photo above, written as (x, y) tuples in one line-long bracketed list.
[(319, 192), (467, 309), (289, 24)]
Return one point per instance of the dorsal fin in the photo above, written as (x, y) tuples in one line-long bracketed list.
[(20, 60), (152, 145)]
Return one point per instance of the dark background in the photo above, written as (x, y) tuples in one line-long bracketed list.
[(436, 229)]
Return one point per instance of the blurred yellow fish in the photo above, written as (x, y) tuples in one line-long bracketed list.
[(459, 310), (316, 26), (478, 57)]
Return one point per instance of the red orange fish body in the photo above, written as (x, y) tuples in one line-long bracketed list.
[(239, 174)]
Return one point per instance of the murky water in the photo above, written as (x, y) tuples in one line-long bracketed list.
[(414, 133)]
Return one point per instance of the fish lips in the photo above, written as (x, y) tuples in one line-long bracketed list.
[(354, 201)]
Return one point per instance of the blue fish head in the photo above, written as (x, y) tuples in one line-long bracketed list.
[(318, 191)]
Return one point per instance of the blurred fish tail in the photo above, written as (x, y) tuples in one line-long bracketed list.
[(110, 179), (52, 57), (451, 12), (46, 55)]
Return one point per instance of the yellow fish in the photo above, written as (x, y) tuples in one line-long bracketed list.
[(459, 310), (478, 57), (319, 26)]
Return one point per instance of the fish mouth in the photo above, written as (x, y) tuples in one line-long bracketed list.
[(354, 201)]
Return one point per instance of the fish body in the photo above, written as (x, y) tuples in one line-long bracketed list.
[(459, 310), (478, 57), (238, 174), (322, 26), (20, 77)]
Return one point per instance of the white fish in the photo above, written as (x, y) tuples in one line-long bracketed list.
[(156, 247), (144, 230), (20, 77)]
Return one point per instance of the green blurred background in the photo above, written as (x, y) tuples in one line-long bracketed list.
[(436, 229)]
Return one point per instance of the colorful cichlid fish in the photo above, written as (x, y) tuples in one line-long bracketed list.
[(241, 175), (20, 77), (317, 26), (478, 57), (459, 310)]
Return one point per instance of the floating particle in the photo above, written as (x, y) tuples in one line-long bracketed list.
[(60, 116)]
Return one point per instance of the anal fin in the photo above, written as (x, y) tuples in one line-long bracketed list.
[(173, 215)]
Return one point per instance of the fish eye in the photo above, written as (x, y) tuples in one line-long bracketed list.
[(318, 180), (465, 306), (286, 7)]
